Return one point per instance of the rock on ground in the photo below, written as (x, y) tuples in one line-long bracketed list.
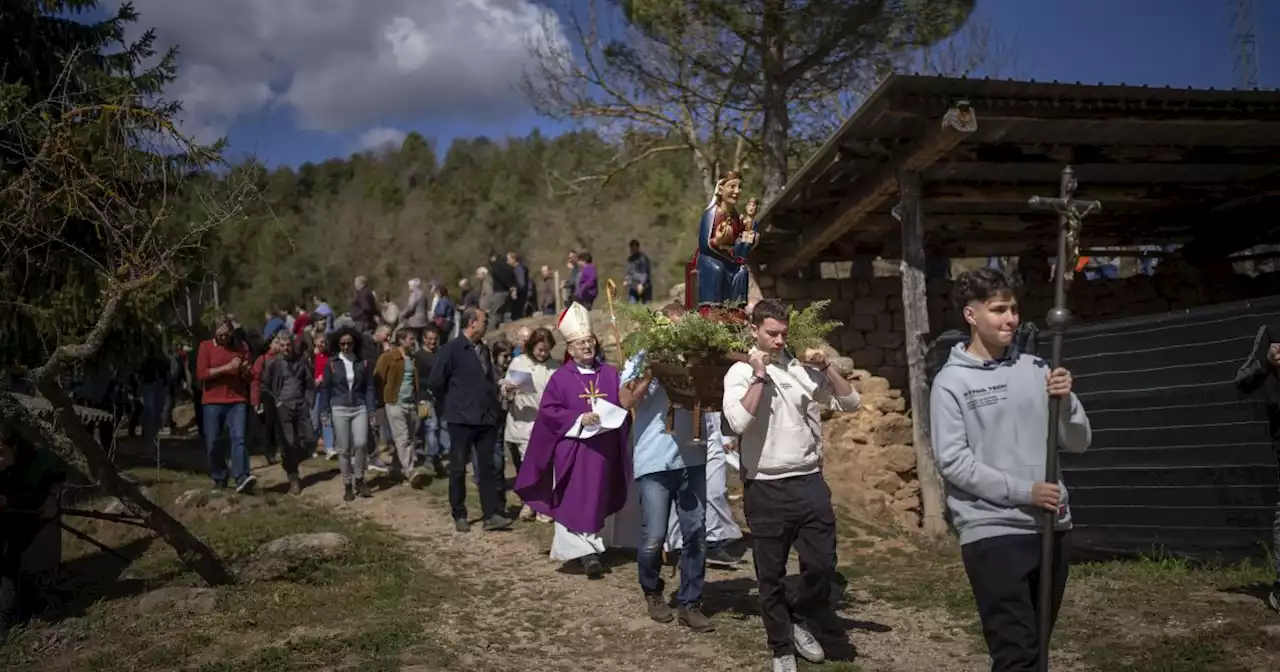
[(278, 557), (179, 599), (311, 546)]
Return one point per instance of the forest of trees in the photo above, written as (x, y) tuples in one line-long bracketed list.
[(418, 212), (679, 94)]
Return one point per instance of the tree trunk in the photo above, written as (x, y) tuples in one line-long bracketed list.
[(190, 549), (776, 126)]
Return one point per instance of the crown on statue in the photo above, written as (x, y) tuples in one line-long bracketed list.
[(574, 323)]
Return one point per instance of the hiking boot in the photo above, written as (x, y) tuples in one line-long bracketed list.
[(497, 522), (348, 495), (295, 484), (246, 486), (784, 664), (593, 567), (691, 617), (418, 480), (461, 525), (658, 608), (806, 644), (362, 489)]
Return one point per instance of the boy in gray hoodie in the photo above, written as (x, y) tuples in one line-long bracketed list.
[(988, 413)]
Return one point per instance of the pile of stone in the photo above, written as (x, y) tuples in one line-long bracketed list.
[(870, 462)]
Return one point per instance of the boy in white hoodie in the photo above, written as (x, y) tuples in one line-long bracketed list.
[(989, 416), (773, 403)]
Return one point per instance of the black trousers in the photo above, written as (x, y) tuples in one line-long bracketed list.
[(464, 441), (782, 514), (268, 427), (294, 425), (197, 396), (1005, 575), (17, 531)]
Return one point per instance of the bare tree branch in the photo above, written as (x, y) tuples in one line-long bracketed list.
[(91, 196)]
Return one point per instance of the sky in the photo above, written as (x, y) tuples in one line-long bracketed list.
[(291, 81)]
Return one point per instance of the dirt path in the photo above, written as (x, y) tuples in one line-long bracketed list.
[(510, 606)]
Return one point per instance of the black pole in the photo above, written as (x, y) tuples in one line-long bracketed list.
[(1057, 319), (1069, 212)]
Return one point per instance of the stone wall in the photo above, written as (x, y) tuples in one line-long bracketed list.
[(871, 309)]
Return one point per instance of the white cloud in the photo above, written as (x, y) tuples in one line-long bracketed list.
[(344, 64), (379, 138)]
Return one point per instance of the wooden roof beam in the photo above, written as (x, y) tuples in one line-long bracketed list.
[(1154, 111), (958, 123)]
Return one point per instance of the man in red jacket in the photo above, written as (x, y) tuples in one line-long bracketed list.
[(222, 367)]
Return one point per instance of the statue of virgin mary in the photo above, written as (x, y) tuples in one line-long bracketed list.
[(717, 273)]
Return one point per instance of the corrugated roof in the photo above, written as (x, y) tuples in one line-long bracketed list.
[(1150, 151)]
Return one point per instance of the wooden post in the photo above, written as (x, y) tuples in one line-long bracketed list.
[(915, 312), (559, 294)]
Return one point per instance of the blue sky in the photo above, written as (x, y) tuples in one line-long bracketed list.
[(1181, 43)]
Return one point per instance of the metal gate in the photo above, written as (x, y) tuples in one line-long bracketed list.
[(1180, 462)]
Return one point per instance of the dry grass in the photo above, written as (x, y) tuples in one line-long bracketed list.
[(362, 612)]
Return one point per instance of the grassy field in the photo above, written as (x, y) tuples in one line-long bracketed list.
[(360, 612), (368, 610), (1147, 614), (1150, 614)]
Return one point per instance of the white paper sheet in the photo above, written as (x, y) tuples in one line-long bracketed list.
[(523, 380), (611, 417)]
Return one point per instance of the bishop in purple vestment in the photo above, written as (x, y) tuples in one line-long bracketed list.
[(577, 482)]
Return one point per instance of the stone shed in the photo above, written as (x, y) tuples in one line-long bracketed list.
[(932, 169)]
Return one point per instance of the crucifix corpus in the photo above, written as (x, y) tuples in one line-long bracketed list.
[(1070, 213)]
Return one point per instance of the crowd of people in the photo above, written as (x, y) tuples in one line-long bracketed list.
[(600, 454)]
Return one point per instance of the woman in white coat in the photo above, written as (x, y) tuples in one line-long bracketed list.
[(522, 403)]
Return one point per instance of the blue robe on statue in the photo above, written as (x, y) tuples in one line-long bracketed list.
[(722, 275)]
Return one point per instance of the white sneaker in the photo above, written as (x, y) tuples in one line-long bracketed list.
[(378, 466), (784, 664), (806, 645), (247, 484)]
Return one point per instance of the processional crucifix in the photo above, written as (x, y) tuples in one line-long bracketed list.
[(1070, 213)]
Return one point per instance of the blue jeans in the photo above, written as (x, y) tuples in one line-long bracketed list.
[(687, 488), (434, 433), (155, 397), (323, 427), (233, 417)]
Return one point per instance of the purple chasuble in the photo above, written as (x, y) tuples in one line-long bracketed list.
[(591, 475)]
